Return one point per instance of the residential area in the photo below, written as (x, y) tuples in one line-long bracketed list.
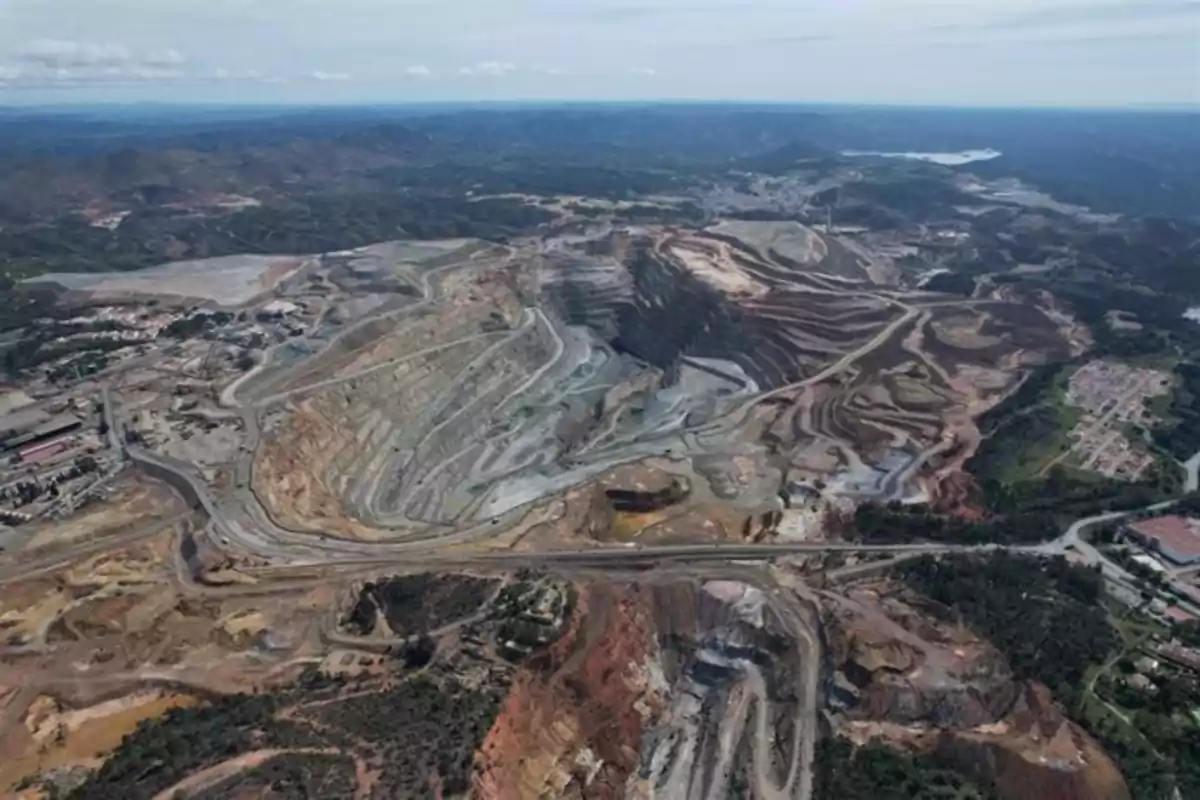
[(1112, 398)]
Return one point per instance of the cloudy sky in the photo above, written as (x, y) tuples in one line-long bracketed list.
[(956, 52)]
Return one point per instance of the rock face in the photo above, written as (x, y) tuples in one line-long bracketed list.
[(943, 690), (573, 722), (921, 676), (643, 501), (1036, 754), (898, 699), (665, 295)]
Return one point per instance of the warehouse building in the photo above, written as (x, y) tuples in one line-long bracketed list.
[(15, 423), (36, 431), (1175, 538)]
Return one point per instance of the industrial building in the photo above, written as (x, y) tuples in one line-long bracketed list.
[(11, 401), (33, 434), (15, 423), (1175, 538)]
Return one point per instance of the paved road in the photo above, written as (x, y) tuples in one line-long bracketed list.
[(110, 420), (346, 552), (1099, 425), (1118, 578), (305, 549), (343, 552), (19, 569), (628, 556), (339, 553), (1192, 466)]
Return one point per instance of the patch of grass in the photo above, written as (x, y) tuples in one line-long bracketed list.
[(1099, 715), (1135, 631), (1077, 473), (1027, 431), (1159, 407), (1165, 360)]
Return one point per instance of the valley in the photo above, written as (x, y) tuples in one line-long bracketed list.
[(675, 494)]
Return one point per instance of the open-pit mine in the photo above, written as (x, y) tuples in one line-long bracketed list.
[(491, 486), (488, 383), (596, 452)]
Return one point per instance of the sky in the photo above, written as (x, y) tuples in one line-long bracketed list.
[(1063, 53)]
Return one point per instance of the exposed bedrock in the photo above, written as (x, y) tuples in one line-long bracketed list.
[(573, 723), (1038, 754), (883, 672), (644, 501), (660, 313), (958, 690)]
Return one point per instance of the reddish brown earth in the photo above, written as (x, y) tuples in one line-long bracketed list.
[(930, 686), (1037, 754), (573, 722)]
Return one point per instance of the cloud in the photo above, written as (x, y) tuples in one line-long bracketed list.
[(1127, 11), (800, 38), (646, 71), (418, 71), (222, 74), (493, 69), (164, 58), (143, 73), (1072, 17), (107, 76), (64, 62), (319, 75), (55, 54), (66, 54), (1107, 52), (162, 67)]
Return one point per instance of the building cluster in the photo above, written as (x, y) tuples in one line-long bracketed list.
[(1170, 550), (50, 454), (33, 435), (1112, 397), (1173, 538)]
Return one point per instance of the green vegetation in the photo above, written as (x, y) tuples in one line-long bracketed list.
[(1145, 270), (1152, 732), (899, 524), (163, 751), (419, 729), (1047, 617), (191, 326), (517, 174), (1157, 754), (417, 604), (21, 305), (1043, 614), (878, 772), (1070, 494), (1181, 436), (292, 776), (418, 734), (310, 224), (1028, 429), (37, 349), (531, 615)]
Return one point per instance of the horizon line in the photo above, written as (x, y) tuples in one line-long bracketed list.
[(403, 104)]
